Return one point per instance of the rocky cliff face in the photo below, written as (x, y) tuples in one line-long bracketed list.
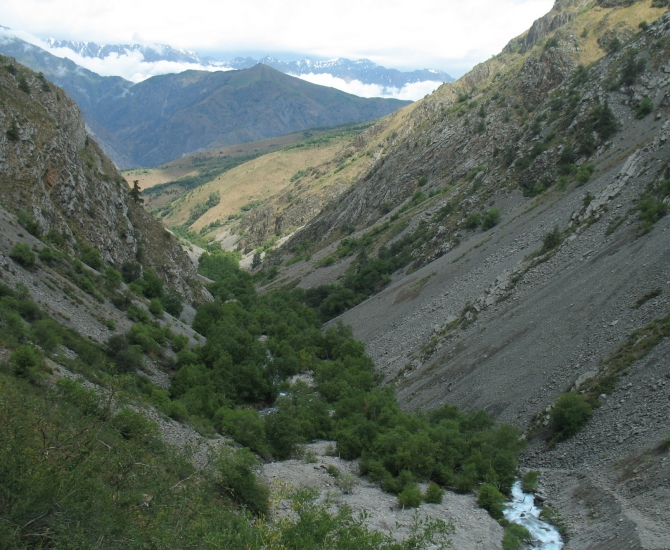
[(51, 169)]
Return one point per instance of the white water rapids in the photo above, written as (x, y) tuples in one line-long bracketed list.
[(522, 510)]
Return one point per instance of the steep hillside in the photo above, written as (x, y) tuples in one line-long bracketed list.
[(87, 88), (166, 116), (56, 174), (509, 239)]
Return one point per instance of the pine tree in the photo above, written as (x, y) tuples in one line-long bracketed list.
[(135, 192)]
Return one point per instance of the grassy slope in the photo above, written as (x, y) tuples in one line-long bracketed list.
[(257, 179)]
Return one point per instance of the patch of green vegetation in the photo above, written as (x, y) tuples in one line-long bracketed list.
[(491, 219), (645, 107), (554, 517), (22, 254), (652, 206), (301, 173), (529, 481), (515, 537), (201, 208), (569, 414), (491, 499), (637, 346), (552, 240), (646, 297)]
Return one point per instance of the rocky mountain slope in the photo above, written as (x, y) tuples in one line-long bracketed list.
[(53, 171), (561, 143)]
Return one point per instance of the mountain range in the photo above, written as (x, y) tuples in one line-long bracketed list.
[(362, 70), (167, 116)]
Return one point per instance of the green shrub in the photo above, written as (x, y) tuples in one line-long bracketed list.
[(410, 496), (515, 537), (529, 481), (491, 219), (134, 425), (650, 211), (346, 483), (87, 401), (645, 107), (333, 471), (91, 257), (423, 180), (48, 254), (23, 85), (552, 240), (491, 499), (551, 43), (126, 357), (113, 279), (156, 308), (584, 173), (569, 414), (13, 133), (245, 426), (22, 254), (237, 480), (55, 238), (179, 342), (131, 271), (28, 222), (434, 493), (172, 302), (110, 324), (473, 221), (614, 45), (27, 362), (138, 314)]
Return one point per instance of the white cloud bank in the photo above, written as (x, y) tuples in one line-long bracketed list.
[(412, 91), (394, 33)]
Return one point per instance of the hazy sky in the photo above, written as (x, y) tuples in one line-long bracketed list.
[(451, 35)]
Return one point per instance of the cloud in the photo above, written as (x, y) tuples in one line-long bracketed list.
[(131, 66), (412, 92), (424, 33)]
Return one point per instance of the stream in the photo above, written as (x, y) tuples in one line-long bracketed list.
[(522, 510)]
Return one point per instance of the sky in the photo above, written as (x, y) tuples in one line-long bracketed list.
[(449, 35)]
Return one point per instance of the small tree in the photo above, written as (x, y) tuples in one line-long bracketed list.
[(135, 192)]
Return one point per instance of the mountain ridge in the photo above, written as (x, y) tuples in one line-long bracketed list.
[(364, 70), (226, 114)]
